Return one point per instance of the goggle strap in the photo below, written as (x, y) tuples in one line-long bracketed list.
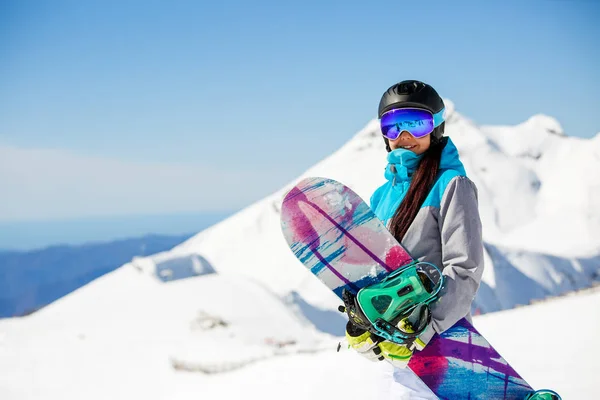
[(438, 117)]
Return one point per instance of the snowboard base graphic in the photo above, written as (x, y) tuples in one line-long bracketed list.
[(335, 234)]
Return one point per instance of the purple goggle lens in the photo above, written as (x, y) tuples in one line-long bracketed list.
[(416, 121)]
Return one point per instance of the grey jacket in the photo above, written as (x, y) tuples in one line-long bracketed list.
[(446, 231)]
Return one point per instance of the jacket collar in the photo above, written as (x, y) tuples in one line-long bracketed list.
[(402, 163)]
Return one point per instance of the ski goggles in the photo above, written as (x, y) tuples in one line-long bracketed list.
[(416, 121)]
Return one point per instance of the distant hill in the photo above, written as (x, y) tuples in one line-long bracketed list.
[(30, 280)]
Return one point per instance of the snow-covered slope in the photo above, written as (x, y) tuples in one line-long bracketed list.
[(128, 324), (131, 352)]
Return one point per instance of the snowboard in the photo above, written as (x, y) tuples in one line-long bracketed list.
[(335, 234)]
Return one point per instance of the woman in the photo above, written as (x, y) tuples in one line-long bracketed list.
[(430, 206)]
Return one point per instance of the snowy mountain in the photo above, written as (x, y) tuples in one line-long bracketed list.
[(156, 339), (539, 192)]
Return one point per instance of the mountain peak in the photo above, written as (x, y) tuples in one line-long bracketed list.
[(544, 123)]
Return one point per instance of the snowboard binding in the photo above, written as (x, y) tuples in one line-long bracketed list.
[(397, 308)]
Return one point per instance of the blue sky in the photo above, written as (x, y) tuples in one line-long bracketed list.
[(244, 96)]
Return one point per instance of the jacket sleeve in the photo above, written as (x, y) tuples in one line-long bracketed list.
[(462, 254)]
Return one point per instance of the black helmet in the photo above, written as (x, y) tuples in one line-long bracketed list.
[(412, 93)]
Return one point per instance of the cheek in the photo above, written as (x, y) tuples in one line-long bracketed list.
[(424, 143)]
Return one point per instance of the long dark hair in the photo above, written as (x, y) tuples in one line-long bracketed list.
[(422, 181)]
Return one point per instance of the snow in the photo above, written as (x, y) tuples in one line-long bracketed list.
[(553, 344), (257, 323), (130, 353)]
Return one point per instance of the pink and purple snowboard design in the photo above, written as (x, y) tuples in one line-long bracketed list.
[(335, 234)]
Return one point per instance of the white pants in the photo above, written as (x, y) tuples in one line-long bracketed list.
[(402, 384)]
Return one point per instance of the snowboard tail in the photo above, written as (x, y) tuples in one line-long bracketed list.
[(461, 363)]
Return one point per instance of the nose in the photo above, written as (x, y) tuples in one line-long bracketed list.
[(404, 135)]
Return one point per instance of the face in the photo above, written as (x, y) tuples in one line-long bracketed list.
[(408, 141)]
